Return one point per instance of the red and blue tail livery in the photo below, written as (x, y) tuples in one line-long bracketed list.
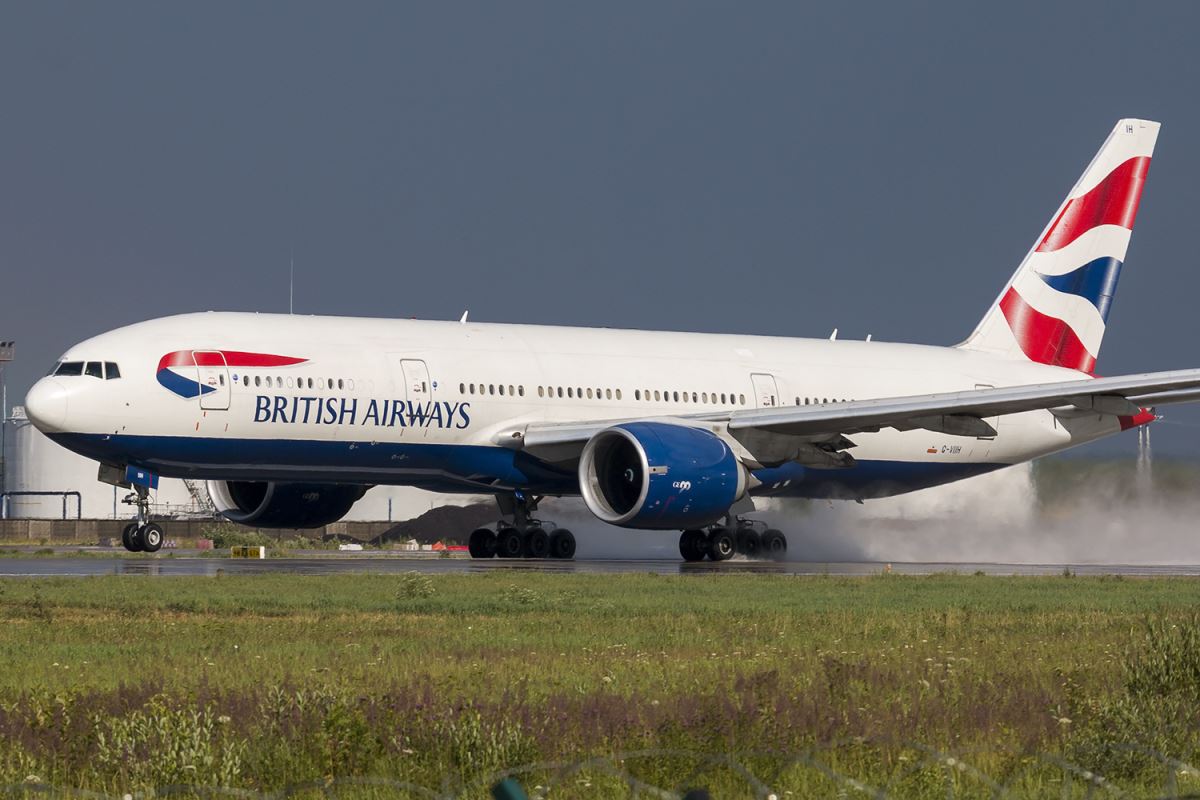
[(1055, 308), (180, 371)]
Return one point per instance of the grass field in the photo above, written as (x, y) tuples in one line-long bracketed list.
[(919, 687)]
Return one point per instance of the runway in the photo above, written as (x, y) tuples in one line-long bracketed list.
[(105, 562)]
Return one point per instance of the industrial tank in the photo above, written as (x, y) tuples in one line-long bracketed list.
[(34, 463)]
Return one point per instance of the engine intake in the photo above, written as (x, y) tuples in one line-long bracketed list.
[(658, 475), (283, 505)]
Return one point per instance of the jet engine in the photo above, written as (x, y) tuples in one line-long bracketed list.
[(283, 505), (659, 475)]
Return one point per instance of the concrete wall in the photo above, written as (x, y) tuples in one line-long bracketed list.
[(185, 532)]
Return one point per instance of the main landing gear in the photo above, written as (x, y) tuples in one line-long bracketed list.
[(141, 536), (523, 537), (746, 537)]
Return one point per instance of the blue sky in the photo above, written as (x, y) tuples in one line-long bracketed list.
[(771, 168)]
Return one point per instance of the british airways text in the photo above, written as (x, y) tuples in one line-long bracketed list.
[(348, 411)]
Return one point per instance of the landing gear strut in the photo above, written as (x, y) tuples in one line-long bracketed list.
[(523, 536), (141, 536), (737, 536)]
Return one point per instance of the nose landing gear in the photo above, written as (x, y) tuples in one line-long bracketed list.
[(141, 536), (746, 537)]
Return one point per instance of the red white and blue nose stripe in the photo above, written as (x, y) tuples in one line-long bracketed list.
[(179, 371)]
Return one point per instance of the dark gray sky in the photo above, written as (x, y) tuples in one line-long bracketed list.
[(775, 168)]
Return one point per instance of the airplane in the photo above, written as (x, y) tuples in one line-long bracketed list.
[(290, 419)]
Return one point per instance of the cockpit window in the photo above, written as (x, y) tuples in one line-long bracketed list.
[(69, 368), (94, 369), (111, 370)]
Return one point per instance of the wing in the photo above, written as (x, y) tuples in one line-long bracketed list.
[(786, 433)]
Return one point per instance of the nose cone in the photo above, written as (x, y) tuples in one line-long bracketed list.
[(46, 406)]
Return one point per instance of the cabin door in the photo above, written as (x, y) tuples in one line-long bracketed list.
[(213, 374), (766, 393), (416, 380)]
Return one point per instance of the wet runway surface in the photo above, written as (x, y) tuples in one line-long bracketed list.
[(167, 565)]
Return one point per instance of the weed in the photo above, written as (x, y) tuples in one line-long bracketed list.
[(414, 586)]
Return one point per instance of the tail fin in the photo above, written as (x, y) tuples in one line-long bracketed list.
[(1054, 308)]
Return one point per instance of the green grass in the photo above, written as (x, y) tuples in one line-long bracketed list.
[(120, 683)]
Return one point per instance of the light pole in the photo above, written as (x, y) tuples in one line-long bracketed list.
[(7, 350), (6, 355)]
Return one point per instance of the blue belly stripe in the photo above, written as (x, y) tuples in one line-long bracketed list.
[(460, 468)]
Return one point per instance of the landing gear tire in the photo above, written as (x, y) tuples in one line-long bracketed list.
[(562, 544), (152, 538), (774, 544), (141, 536), (482, 543), (509, 543), (537, 543), (721, 544), (127, 540), (693, 545), (748, 541)]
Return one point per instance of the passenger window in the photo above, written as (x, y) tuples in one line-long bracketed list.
[(111, 371), (70, 368)]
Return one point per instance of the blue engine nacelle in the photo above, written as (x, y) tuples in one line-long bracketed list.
[(283, 505), (659, 475)]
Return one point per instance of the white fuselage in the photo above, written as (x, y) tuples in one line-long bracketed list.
[(425, 403)]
